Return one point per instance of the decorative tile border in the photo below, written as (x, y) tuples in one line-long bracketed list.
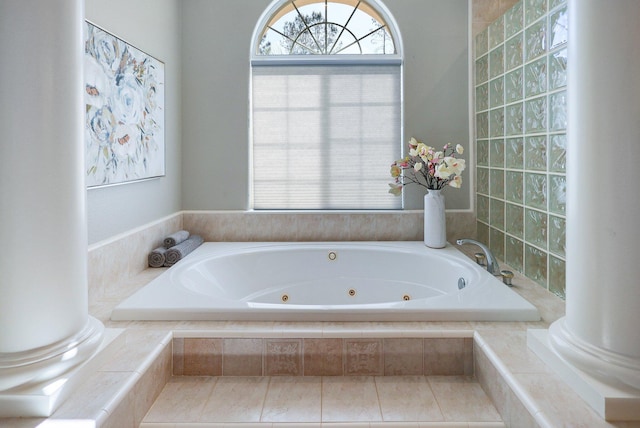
[(229, 356), (282, 357)]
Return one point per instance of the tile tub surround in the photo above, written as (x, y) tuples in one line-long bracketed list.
[(113, 263), (521, 387), (513, 377), (519, 384), (323, 356), (299, 226), (521, 122)]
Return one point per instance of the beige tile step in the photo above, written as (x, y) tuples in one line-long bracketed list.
[(273, 401)]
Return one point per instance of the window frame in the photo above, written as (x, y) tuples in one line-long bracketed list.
[(256, 60), (276, 7)]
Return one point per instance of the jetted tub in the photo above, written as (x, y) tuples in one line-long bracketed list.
[(332, 281)]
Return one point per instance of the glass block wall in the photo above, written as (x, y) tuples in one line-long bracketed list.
[(521, 121)]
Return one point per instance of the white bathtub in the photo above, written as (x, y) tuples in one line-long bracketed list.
[(335, 281)]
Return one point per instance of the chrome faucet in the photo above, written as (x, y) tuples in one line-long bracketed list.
[(492, 263)]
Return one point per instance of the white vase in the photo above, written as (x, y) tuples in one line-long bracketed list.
[(435, 225)]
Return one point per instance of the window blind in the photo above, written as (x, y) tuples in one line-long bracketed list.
[(324, 137)]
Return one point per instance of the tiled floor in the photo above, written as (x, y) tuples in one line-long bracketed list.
[(330, 399)]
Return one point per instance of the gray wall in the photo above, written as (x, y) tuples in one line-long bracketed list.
[(436, 93), (216, 47), (153, 26), (205, 45)]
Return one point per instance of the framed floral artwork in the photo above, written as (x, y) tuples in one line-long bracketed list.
[(124, 111)]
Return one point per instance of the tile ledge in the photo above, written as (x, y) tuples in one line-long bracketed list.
[(324, 424), (518, 390), (302, 333)]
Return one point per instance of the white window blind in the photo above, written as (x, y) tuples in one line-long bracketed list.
[(324, 136)]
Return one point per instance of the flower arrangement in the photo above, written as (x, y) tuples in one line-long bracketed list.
[(427, 167)]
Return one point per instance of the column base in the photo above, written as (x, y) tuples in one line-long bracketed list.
[(35, 383), (612, 399), (41, 400)]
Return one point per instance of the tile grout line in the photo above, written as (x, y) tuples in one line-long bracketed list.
[(321, 398), (375, 384), (435, 397), (209, 396), (264, 399)]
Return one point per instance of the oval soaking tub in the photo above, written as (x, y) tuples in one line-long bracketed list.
[(332, 281)]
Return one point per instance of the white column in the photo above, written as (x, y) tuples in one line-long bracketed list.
[(600, 331), (44, 325)]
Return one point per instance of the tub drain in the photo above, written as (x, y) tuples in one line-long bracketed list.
[(352, 292), (285, 298), (406, 297)]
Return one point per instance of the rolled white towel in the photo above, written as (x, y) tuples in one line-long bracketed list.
[(176, 238), (178, 252), (157, 257)]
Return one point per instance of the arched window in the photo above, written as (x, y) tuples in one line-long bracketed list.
[(325, 28), (326, 110)]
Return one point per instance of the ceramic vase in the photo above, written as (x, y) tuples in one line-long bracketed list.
[(435, 226)]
